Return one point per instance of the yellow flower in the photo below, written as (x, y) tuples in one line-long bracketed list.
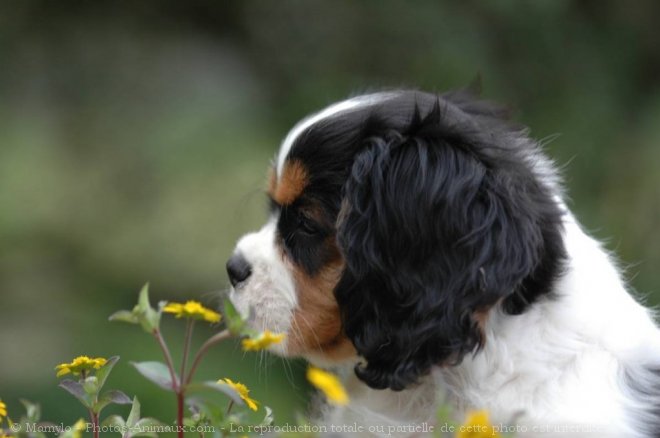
[(192, 309), (3, 410), (264, 340), (477, 425), (242, 391), (80, 364), (78, 428), (329, 384)]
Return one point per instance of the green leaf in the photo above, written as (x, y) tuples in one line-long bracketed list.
[(142, 313), (190, 422), (114, 421), (223, 388), (103, 372), (268, 418), (111, 397), (32, 411), (148, 422), (206, 411), (91, 385), (149, 318), (134, 416), (76, 389), (157, 372), (233, 319), (125, 316), (145, 425)]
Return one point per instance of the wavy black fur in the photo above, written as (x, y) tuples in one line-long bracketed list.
[(443, 218)]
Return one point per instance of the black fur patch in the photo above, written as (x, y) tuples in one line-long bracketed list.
[(442, 217)]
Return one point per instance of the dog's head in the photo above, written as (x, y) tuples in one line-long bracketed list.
[(397, 221)]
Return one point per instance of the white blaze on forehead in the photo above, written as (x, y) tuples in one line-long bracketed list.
[(332, 110)]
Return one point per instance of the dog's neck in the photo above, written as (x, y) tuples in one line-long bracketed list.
[(561, 360)]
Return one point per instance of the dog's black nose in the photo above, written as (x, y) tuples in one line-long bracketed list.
[(238, 269)]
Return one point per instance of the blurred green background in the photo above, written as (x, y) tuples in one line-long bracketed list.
[(134, 139)]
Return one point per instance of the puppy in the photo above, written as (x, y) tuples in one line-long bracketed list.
[(420, 245)]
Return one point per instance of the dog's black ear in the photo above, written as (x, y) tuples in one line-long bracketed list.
[(435, 231)]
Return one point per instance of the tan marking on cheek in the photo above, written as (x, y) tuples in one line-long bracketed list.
[(316, 320), (481, 318), (291, 184)]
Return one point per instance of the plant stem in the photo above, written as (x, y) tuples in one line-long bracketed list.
[(180, 397), (95, 423), (93, 416), (218, 337), (176, 386), (229, 406), (168, 359), (179, 412), (186, 346)]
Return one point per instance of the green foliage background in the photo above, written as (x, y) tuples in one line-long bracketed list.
[(134, 138)]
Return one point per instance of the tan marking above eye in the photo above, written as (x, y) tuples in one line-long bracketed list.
[(290, 185)]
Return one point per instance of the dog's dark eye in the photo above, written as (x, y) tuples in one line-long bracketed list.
[(307, 225)]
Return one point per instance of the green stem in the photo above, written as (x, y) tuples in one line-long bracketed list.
[(93, 416), (168, 359), (176, 386), (218, 337), (186, 352), (186, 346), (229, 406)]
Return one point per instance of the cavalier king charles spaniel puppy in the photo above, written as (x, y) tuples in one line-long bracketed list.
[(420, 246)]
